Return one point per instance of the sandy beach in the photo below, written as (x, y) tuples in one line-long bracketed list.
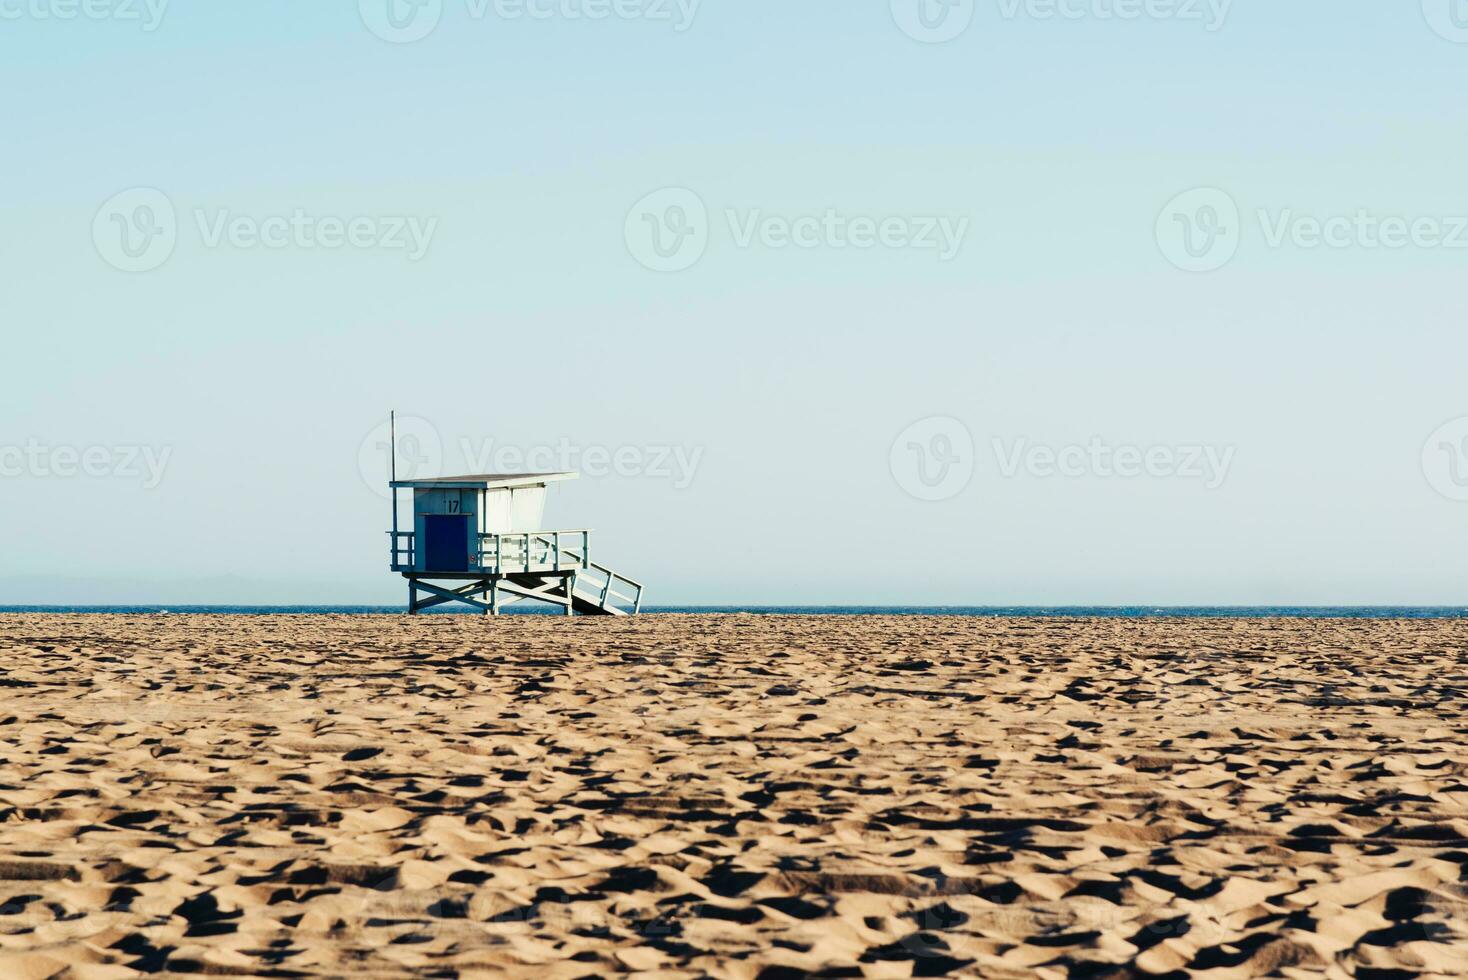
[(731, 796)]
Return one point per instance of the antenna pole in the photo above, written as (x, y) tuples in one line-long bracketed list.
[(392, 429)]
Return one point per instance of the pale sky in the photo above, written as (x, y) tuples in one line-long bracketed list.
[(835, 302)]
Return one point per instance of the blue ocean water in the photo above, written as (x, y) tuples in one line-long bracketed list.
[(1125, 612)]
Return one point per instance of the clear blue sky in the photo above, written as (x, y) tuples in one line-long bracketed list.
[(524, 143)]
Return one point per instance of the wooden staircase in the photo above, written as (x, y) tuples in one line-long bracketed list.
[(587, 598)]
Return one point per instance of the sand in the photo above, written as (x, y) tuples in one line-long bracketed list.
[(731, 796)]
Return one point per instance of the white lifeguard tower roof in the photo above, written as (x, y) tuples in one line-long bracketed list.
[(484, 481)]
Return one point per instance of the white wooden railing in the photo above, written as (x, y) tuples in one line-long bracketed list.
[(533, 551), (401, 543)]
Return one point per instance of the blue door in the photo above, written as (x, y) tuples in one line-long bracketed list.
[(447, 546)]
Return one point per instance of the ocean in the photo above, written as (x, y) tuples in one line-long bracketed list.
[(1125, 612)]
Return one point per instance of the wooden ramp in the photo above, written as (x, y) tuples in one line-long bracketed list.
[(586, 597)]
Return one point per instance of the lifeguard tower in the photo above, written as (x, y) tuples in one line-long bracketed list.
[(479, 540)]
